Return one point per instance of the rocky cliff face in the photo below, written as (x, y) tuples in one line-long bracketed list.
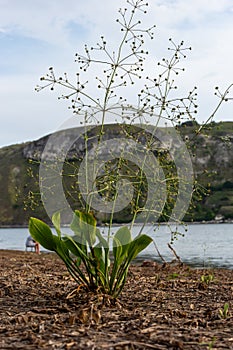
[(212, 161), (213, 151), (211, 154)]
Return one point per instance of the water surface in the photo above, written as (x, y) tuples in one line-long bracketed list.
[(204, 245)]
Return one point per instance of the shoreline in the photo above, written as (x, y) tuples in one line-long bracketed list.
[(217, 222)]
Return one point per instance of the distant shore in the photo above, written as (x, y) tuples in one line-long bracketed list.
[(229, 221)]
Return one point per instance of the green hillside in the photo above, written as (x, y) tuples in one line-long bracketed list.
[(211, 152)]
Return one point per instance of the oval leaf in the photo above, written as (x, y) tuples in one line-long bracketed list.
[(56, 220), (41, 233)]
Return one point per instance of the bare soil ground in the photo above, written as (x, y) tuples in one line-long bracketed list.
[(162, 307)]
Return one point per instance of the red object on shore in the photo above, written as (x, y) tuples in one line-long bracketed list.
[(37, 248)]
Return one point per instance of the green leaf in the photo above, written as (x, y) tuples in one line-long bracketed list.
[(120, 283), (84, 224), (138, 245), (56, 220), (105, 245), (61, 249), (75, 227), (119, 273), (77, 239), (123, 235), (74, 247), (102, 240), (41, 233), (99, 256), (117, 249), (121, 243), (73, 267), (78, 261)]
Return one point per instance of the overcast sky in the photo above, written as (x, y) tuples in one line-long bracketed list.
[(37, 34)]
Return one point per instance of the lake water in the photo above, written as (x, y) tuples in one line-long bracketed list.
[(204, 245)]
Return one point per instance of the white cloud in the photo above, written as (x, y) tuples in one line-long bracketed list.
[(49, 20), (52, 31)]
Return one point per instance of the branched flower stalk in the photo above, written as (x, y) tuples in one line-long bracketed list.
[(128, 166)]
